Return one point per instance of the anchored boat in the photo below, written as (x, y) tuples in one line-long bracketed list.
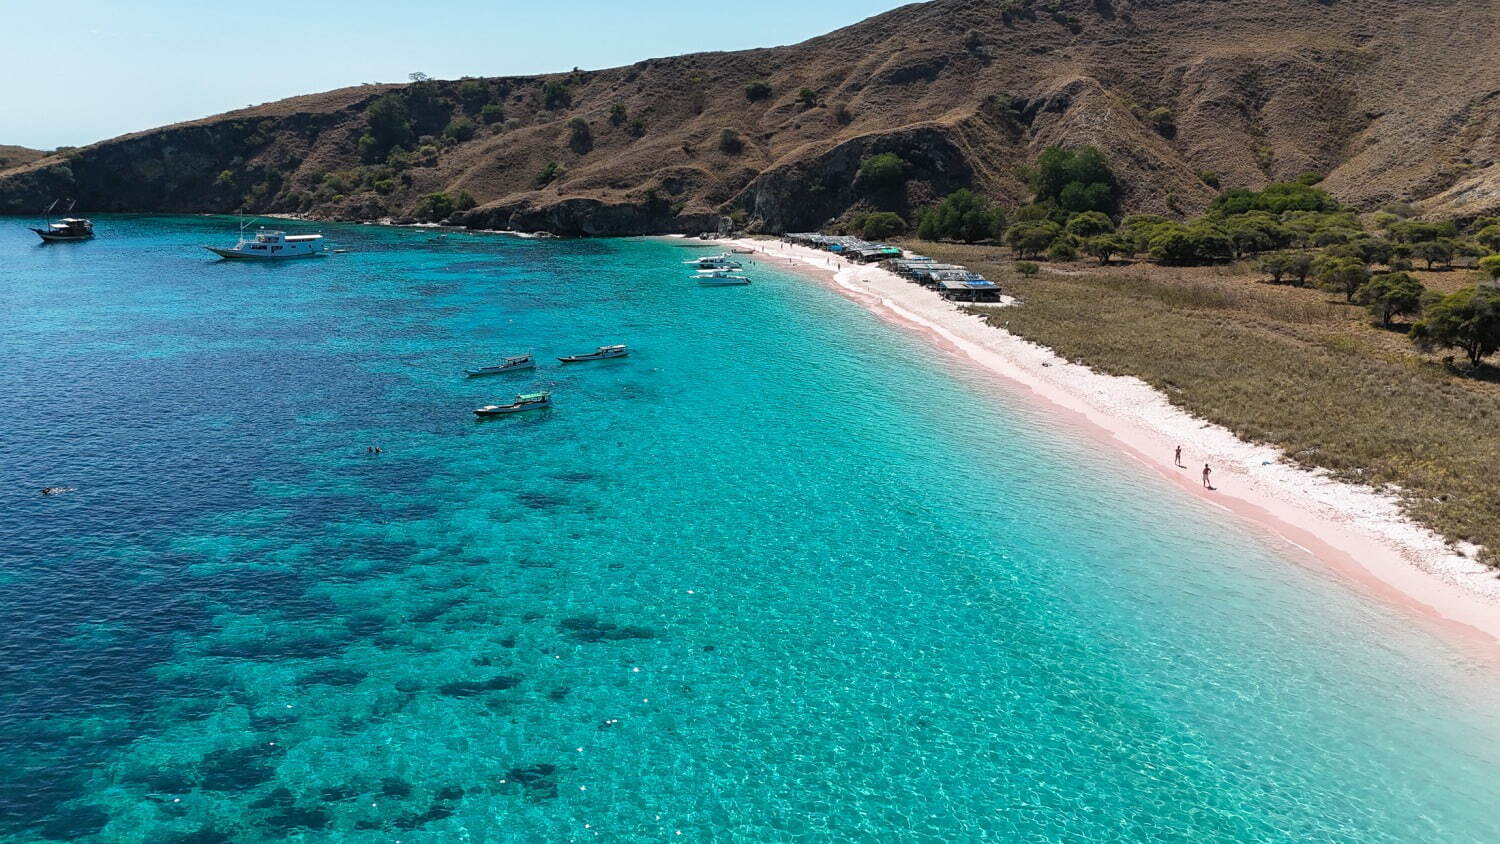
[(66, 230), (510, 364), (715, 262), (272, 246), (523, 402), (602, 353), (721, 278)]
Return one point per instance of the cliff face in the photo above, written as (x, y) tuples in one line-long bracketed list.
[(1386, 97)]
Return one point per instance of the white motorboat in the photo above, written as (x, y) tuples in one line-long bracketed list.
[(715, 262), (721, 279), (602, 353), (273, 246), (513, 363)]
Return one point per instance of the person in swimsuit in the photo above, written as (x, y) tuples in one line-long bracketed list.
[(1207, 484)]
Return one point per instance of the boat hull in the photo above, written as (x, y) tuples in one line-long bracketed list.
[(53, 237), (723, 282), (232, 255), (586, 358), (478, 373), (506, 410)]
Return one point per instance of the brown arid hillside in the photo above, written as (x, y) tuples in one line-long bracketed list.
[(14, 156), (1391, 99)]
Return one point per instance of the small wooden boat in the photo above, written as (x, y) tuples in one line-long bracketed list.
[(66, 230), (602, 353), (513, 363), (523, 402)]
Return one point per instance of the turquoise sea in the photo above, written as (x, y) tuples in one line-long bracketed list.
[(787, 573)]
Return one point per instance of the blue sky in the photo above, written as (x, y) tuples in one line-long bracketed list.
[(84, 70)]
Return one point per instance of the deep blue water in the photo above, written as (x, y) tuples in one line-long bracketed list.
[(786, 573)]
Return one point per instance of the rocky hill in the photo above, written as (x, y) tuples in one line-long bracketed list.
[(1390, 98), (14, 156)]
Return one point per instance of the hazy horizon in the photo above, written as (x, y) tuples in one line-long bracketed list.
[(125, 73)]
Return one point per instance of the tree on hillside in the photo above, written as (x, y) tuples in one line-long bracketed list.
[(962, 215), (1468, 319), (885, 171), (434, 206), (1075, 180), (1391, 294), (877, 225), (473, 94), (1344, 275), (1418, 231), (1433, 251), (808, 98), (389, 125), (758, 89), (1276, 265), (580, 136)]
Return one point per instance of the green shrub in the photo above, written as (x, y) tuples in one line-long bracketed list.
[(556, 95), (808, 98), (758, 90), (551, 172), (1468, 319), (1062, 249), (1489, 267), (465, 201), (878, 225), (580, 136), (1027, 268), (1089, 223), (1419, 231), (434, 206), (1163, 120), (1075, 180), (1391, 294), (885, 171), (389, 124), (459, 129), (225, 179), (1489, 236), (1032, 238), (617, 114), (962, 215), (637, 128), (730, 142), (492, 113), (1209, 177), (473, 94)]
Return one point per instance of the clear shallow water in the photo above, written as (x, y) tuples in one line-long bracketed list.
[(784, 574)]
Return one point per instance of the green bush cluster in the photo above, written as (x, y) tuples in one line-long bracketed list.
[(882, 172), (876, 225), (962, 215)]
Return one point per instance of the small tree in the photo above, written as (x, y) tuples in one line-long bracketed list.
[(878, 225), (465, 201), (1089, 224), (808, 98), (1275, 265), (1468, 319), (1433, 251), (1028, 268), (637, 127), (1299, 265), (1345, 275), (492, 113), (758, 90), (962, 215), (730, 142), (473, 94), (1031, 239), (1105, 246), (1389, 294), (885, 171), (617, 114), (1062, 249)]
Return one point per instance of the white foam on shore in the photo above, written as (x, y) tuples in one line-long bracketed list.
[(1357, 531)]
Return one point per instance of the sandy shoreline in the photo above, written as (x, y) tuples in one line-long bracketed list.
[(1357, 532)]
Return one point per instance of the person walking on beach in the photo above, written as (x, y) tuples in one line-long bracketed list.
[(1177, 458), (1207, 484)]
